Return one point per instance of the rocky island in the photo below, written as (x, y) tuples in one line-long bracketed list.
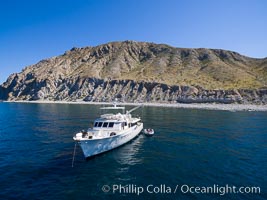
[(142, 72)]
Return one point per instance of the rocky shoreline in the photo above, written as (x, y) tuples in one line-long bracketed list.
[(205, 106)]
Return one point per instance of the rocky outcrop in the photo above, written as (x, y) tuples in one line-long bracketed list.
[(142, 72)]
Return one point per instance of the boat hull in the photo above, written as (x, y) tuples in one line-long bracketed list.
[(93, 147)]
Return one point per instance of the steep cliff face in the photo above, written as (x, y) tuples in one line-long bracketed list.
[(145, 72)]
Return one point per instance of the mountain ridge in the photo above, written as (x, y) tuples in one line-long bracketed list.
[(160, 65)]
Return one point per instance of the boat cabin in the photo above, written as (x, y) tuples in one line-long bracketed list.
[(110, 124), (104, 124), (115, 122)]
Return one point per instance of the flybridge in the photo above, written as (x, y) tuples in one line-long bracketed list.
[(112, 108), (115, 107)]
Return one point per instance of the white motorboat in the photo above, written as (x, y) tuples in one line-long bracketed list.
[(109, 131), (149, 132)]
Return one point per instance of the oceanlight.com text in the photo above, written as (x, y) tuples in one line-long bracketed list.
[(182, 189), (221, 190)]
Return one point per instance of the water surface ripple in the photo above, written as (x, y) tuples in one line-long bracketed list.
[(193, 147)]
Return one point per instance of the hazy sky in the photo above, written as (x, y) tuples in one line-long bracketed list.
[(31, 30)]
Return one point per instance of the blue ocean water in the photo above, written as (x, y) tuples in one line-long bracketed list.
[(194, 148)]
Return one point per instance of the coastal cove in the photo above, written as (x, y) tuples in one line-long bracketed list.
[(194, 147), (149, 100)]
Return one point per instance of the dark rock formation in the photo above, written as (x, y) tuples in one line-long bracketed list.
[(98, 90)]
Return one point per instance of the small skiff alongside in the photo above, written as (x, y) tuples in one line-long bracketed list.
[(149, 132)]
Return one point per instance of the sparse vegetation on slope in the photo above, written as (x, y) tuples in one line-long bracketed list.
[(137, 62)]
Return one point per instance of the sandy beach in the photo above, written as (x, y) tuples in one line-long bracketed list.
[(207, 106)]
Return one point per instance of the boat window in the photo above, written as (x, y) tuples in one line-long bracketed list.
[(100, 124), (105, 124), (96, 123), (111, 124)]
